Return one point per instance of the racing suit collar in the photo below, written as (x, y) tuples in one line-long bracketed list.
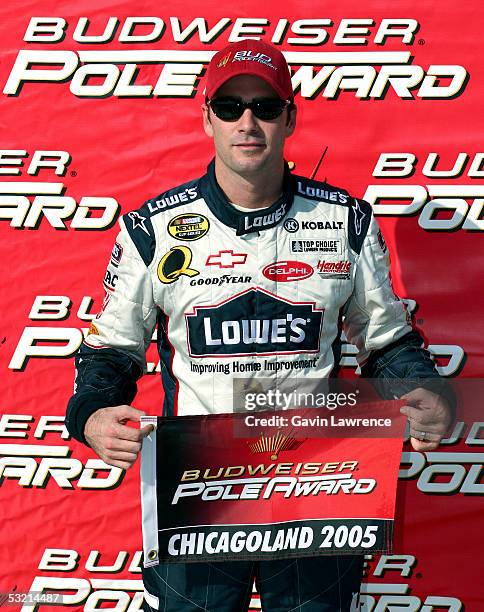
[(242, 222)]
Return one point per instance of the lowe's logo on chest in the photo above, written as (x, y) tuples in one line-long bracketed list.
[(252, 222), (254, 322)]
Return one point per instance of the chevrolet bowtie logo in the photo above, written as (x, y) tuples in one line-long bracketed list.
[(226, 259)]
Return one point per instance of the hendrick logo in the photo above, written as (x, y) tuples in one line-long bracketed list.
[(287, 271), (334, 269), (254, 321)]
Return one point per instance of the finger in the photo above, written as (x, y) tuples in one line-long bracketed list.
[(425, 435), (127, 446), (146, 430), (128, 413), (417, 394), (419, 415), (124, 465), (122, 456), (422, 446), (124, 432)]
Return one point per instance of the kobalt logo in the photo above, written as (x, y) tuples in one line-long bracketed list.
[(291, 225), (366, 74), (26, 203), (434, 203), (287, 271), (241, 326), (322, 225)]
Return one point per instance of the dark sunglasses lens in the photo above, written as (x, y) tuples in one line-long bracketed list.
[(227, 110), (268, 109)]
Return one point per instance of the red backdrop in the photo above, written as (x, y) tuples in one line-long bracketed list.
[(99, 111)]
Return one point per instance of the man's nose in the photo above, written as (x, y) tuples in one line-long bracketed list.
[(248, 122)]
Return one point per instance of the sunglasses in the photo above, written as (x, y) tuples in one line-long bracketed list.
[(232, 109)]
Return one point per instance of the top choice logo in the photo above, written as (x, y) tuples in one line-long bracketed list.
[(370, 74)]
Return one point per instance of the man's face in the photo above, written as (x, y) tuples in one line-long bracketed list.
[(249, 145)]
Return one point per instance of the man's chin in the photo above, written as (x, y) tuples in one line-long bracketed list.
[(250, 164)]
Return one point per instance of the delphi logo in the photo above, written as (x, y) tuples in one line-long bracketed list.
[(254, 321)]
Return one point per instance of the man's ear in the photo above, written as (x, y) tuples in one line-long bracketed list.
[(291, 119), (207, 124)]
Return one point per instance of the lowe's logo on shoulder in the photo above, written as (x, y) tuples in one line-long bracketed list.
[(186, 195), (324, 194), (253, 322)]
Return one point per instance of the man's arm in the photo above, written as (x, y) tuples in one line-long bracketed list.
[(376, 321), (112, 359)]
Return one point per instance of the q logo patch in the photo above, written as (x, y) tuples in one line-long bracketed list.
[(175, 263), (188, 226)]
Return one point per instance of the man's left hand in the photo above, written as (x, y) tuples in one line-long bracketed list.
[(429, 417)]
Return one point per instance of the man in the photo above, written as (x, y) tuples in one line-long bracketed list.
[(198, 261)]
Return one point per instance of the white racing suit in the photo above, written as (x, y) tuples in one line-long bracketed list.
[(242, 294)]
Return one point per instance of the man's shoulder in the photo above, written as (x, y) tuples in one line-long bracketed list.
[(177, 196), (358, 214), (321, 191), (139, 222)]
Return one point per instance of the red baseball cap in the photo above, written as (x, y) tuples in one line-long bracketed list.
[(250, 57)]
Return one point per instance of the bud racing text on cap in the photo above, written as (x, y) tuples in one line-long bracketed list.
[(250, 57)]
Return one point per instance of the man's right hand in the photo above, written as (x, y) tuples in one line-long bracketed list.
[(111, 439)]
